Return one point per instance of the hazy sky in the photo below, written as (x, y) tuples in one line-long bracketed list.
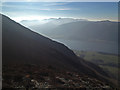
[(42, 10), (60, 0)]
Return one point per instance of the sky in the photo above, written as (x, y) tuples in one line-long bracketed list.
[(19, 11), (60, 0)]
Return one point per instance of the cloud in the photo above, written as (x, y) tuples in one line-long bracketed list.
[(59, 9), (34, 8), (51, 9), (55, 4), (64, 9)]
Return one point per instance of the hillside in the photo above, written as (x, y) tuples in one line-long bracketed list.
[(23, 46), (35, 76)]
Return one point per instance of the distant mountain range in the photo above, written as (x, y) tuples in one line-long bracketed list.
[(46, 25), (100, 31), (80, 31), (21, 45), (87, 31), (55, 21)]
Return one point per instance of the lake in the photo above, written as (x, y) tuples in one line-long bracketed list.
[(106, 47)]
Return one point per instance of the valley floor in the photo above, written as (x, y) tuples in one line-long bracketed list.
[(108, 62)]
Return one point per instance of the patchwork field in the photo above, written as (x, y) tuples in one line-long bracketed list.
[(109, 62)]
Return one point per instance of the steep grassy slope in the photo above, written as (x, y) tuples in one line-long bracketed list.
[(22, 46)]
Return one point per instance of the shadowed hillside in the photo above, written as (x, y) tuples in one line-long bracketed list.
[(23, 46)]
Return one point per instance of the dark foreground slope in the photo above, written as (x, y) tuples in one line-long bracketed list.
[(35, 76), (22, 46)]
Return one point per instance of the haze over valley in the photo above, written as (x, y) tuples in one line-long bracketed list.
[(79, 34)]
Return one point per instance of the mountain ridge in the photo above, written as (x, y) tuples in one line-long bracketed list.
[(21, 45), (79, 30)]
